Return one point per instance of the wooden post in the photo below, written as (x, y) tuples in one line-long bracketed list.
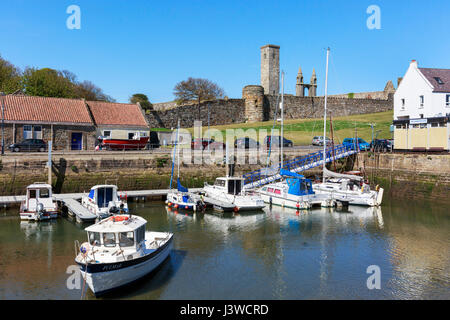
[(49, 163)]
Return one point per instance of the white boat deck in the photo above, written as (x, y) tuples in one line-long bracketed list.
[(225, 206)]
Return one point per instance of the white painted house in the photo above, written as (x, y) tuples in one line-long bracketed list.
[(422, 110)]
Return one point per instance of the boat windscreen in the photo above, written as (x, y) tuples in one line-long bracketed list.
[(104, 196), (234, 187)]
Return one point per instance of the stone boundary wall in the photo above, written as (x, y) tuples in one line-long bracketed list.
[(313, 107), (221, 112), (230, 111)]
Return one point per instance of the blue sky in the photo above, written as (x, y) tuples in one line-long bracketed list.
[(128, 47)]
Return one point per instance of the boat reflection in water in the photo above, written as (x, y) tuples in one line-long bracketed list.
[(340, 217)]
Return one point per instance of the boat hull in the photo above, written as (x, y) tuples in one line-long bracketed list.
[(125, 144), (103, 278), (353, 198)]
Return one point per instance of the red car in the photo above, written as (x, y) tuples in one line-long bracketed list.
[(200, 143)]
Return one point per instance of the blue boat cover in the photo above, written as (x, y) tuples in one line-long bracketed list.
[(298, 184), (180, 187), (288, 173)]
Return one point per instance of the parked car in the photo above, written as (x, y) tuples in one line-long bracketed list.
[(383, 145), (200, 143), (246, 143), (29, 145), (216, 145), (318, 141), (276, 141), (351, 142)]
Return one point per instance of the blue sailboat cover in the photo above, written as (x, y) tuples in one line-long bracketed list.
[(298, 184), (180, 187)]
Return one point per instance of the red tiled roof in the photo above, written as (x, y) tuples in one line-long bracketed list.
[(432, 74), (125, 114), (46, 110)]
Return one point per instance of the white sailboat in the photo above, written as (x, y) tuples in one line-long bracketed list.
[(181, 199), (295, 191), (345, 188)]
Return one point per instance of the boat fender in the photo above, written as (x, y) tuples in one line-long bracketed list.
[(176, 206), (84, 248), (297, 205), (235, 209), (377, 187)]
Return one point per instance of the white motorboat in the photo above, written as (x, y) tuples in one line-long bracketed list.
[(104, 201), (229, 190), (120, 251), (349, 188), (39, 203), (294, 192)]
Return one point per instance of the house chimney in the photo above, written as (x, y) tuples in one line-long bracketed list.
[(414, 63)]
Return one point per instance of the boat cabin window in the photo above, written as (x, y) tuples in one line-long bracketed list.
[(94, 238), (219, 183), (140, 234), (234, 187), (32, 194), (126, 239), (44, 193), (131, 135), (104, 196), (109, 239), (277, 191)]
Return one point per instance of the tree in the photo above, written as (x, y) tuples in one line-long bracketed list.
[(89, 91), (48, 82), (143, 101), (197, 89), (10, 77)]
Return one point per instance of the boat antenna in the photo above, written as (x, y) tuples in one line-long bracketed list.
[(325, 119)]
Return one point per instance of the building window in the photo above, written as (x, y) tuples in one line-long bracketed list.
[(403, 104), (27, 132), (422, 101), (107, 134), (37, 132), (438, 80), (447, 101)]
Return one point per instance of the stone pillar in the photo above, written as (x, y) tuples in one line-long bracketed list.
[(253, 97)]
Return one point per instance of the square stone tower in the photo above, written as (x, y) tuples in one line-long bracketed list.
[(270, 69)]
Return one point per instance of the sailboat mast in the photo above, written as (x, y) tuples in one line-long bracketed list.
[(178, 149), (325, 120), (282, 117)]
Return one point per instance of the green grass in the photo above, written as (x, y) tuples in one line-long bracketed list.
[(301, 131)]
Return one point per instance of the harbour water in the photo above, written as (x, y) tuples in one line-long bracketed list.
[(274, 254)]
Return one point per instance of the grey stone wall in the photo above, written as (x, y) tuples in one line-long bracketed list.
[(313, 107), (249, 110), (221, 112)]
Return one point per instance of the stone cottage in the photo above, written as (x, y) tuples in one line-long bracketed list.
[(66, 122), (118, 120)]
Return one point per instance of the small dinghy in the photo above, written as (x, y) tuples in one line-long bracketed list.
[(120, 251)]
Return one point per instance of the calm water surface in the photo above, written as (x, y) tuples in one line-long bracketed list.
[(275, 254)]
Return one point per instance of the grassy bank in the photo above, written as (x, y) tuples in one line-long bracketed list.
[(301, 131)]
